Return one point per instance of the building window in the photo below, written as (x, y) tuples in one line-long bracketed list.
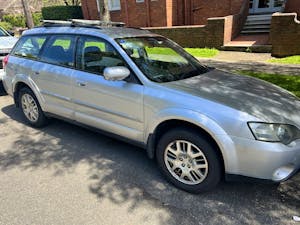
[(114, 5)]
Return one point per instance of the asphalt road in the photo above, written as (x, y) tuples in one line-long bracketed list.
[(64, 174)]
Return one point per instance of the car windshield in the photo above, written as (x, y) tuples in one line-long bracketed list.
[(2, 32), (160, 59)]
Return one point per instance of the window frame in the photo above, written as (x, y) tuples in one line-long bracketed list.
[(132, 77), (46, 44), (27, 37), (48, 36), (114, 8)]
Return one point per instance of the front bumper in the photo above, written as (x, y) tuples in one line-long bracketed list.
[(265, 160)]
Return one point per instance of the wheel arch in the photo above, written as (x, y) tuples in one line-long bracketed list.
[(179, 117), (170, 124), (18, 86), (21, 81)]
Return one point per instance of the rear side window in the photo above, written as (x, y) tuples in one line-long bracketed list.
[(59, 50), (29, 47)]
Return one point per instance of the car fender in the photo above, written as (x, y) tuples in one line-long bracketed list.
[(207, 124), (31, 84)]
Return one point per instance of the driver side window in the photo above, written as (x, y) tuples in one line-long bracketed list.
[(95, 54)]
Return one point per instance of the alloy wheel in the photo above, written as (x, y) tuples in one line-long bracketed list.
[(30, 108), (186, 162)]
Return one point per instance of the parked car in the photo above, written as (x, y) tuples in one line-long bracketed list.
[(199, 123), (7, 42)]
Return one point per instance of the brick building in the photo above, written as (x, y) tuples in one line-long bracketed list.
[(159, 13), (225, 24)]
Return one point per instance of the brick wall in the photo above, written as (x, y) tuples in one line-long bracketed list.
[(285, 33), (144, 14), (89, 9), (215, 34), (166, 12), (210, 35), (239, 19), (293, 6), (205, 9)]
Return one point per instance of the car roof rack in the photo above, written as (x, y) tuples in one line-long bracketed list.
[(81, 23)]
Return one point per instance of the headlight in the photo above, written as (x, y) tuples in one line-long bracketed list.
[(272, 132)]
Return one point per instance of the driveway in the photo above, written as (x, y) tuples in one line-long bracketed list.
[(256, 62), (64, 174)]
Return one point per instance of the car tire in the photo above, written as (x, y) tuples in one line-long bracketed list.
[(189, 161), (2, 90), (31, 109)]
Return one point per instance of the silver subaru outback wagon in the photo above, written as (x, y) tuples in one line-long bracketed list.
[(199, 123)]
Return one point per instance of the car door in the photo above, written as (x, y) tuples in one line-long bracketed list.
[(113, 106), (54, 74)]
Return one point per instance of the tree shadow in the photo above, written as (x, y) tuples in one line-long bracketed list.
[(124, 175)]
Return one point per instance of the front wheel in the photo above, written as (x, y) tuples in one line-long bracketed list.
[(31, 108), (189, 161)]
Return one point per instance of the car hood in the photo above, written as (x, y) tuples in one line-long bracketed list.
[(7, 42), (258, 98)]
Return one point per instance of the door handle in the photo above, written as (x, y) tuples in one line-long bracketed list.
[(81, 83), (36, 72)]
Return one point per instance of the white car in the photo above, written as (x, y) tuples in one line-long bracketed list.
[(7, 42)]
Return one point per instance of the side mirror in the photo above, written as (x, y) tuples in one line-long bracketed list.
[(116, 73)]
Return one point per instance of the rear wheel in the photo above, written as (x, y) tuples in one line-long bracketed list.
[(189, 161), (31, 108)]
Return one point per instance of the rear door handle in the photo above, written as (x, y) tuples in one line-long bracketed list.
[(81, 83)]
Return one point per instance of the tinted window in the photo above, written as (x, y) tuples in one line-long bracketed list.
[(94, 55), (59, 50), (29, 47)]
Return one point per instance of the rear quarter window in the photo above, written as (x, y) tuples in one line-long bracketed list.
[(29, 47)]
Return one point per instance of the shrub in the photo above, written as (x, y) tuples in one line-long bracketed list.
[(14, 20), (62, 12), (19, 20), (6, 26), (37, 17)]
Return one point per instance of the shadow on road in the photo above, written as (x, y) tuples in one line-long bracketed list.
[(2, 91), (124, 175)]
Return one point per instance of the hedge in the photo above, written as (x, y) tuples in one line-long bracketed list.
[(62, 12), (19, 20), (6, 25)]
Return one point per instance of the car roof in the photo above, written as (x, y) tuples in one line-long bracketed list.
[(109, 32)]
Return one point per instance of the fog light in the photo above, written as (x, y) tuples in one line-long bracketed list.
[(283, 173)]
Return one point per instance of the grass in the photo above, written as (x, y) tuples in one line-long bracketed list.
[(290, 83), (202, 52), (196, 52), (287, 60)]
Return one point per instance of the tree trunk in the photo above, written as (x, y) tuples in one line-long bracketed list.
[(28, 15), (104, 12)]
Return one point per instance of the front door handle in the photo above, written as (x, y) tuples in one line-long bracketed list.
[(81, 83)]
